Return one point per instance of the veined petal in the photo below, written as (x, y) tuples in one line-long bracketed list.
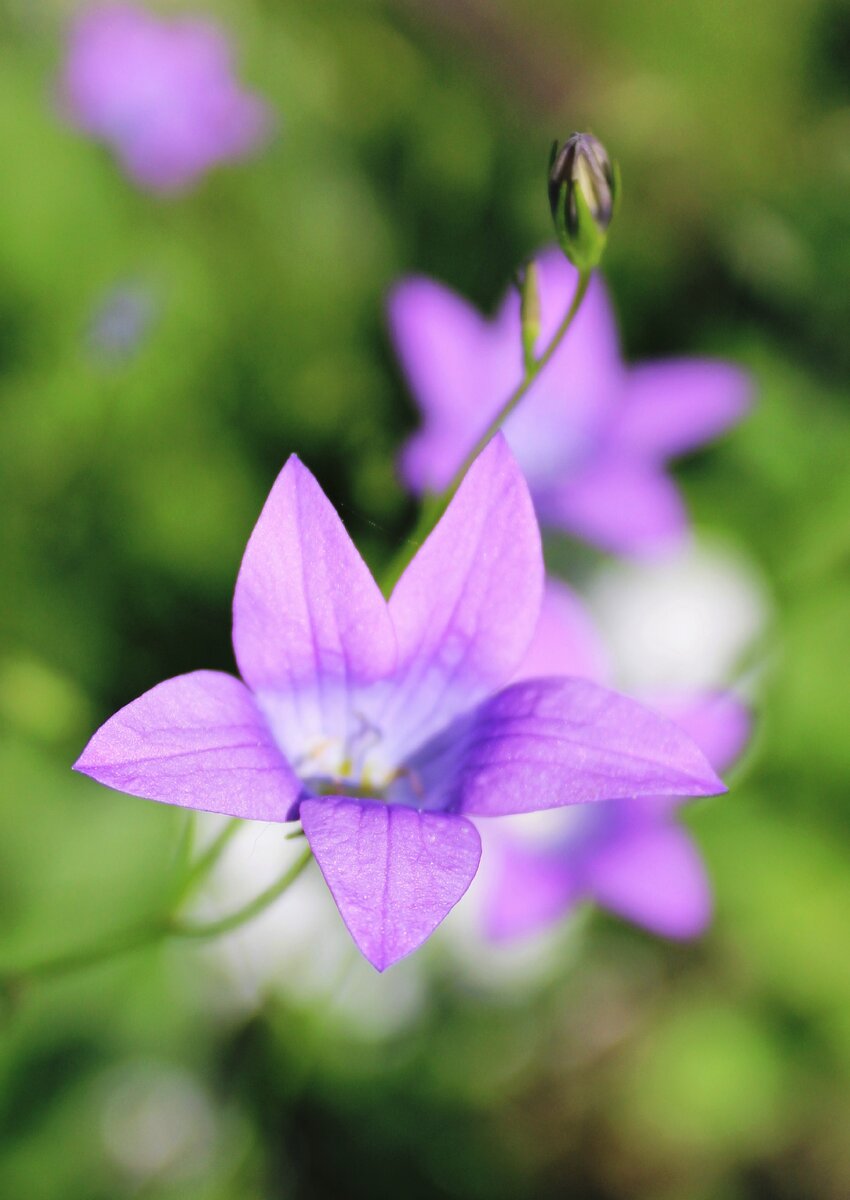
[(565, 641), (394, 873), (310, 626), (673, 407), (655, 877), (620, 504), (545, 743), (197, 741), (718, 722), (467, 606)]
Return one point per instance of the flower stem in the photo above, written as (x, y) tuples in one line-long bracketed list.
[(533, 370), (15, 982), (133, 938), (207, 860), (189, 929), (434, 506)]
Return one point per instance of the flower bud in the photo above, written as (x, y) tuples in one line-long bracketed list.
[(583, 187)]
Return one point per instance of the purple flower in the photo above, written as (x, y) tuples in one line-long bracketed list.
[(593, 436), (160, 92), (384, 725), (628, 855)]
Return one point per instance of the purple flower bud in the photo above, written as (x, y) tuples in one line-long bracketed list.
[(582, 196)]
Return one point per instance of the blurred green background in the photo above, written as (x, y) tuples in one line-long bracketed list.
[(413, 135)]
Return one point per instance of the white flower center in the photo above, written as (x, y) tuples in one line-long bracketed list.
[(358, 760)]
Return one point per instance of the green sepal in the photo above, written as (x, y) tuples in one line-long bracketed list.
[(585, 243)]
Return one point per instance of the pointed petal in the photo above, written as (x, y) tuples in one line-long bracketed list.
[(549, 742), (439, 338), (566, 641), (310, 626), (467, 606), (673, 407), (444, 346), (394, 873), (619, 504), (527, 888), (197, 741), (462, 367), (718, 722), (655, 878)]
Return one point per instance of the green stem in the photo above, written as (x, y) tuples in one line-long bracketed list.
[(520, 392), (207, 860), (434, 506), (66, 964), (189, 929), (13, 983)]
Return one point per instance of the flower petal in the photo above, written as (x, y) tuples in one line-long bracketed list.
[(622, 505), (439, 338), (527, 888), (453, 359), (162, 92), (673, 407), (549, 742), (394, 873), (467, 606), (560, 422), (310, 626), (654, 877), (718, 722), (462, 367), (197, 741), (565, 641)]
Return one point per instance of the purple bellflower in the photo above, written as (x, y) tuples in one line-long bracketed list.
[(160, 92), (628, 855), (383, 726), (593, 435)]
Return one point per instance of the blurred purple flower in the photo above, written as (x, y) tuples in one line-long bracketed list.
[(628, 855), (384, 725), (160, 92), (593, 436)]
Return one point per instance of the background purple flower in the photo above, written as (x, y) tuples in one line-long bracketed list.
[(160, 92), (384, 725), (593, 436), (628, 855)]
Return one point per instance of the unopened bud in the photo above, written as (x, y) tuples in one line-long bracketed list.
[(583, 191)]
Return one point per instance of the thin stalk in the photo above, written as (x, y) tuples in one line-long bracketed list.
[(190, 929), (133, 938), (158, 929), (204, 863), (434, 506)]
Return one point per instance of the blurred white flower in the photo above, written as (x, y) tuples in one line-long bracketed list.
[(685, 621), (157, 1121)]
